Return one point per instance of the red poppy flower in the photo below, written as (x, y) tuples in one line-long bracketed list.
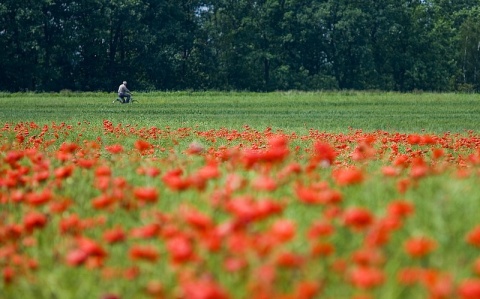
[(209, 171), (366, 277), (368, 257), (204, 288), (114, 148), (348, 176), (419, 168), (418, 247), (324, 153), (71, 225), (469, 289), (148, 171), (473, 237), (320, 228), (39, 198), (114, 235), (197, 219), (102, 201), (400, 208), (437, 153), (180, 249), (307, 195), (68, 147), (146, 194), (142, 145), (12, 157), (173, 179), (238, 243), (64, 172), (103, 170), (60, 206), (76, 257), (310, 195), (289, 260), (358, 218), (146, 231), (363, 151), (322, 249), (34, 220), (143, 252), (283, 229), (11, 232), (8, 275), (307, 289), (91, 247), (402, 161), (439, 285)]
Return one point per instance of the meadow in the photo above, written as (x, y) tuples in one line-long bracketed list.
[(298, 111), (240, 195)]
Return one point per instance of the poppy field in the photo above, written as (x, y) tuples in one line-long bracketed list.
[(115, 209)]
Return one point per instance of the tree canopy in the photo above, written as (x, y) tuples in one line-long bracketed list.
[(391, 45)]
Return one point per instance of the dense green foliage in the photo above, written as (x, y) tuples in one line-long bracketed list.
[(290, 111), (92, 45)]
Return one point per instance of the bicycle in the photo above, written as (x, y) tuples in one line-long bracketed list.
[(124, 100)]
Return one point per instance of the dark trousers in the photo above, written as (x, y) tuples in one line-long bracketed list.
[(124, 95)]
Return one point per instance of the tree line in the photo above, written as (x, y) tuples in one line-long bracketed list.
[(93, 45)]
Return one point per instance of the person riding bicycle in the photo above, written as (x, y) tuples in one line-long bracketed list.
[(123, 92)]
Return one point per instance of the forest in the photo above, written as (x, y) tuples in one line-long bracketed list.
[(246, 45)]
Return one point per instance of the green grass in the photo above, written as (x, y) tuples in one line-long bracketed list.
[(291, 111)]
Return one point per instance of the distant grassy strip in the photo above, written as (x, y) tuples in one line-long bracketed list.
[(290, 111)]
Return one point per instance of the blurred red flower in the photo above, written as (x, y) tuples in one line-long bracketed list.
[(324, 154), (307, 289), (469, 288), (348, 176), (418, 247), (143, 252), (146, 194), (114, 235), (320, 228), (142, 145), (204, 288), (284, 229), (473, 236), (400, 208), (8, 274), (366, 277), (180, 249), (114, 148), (34, 220), (358, 218), (39, 198)]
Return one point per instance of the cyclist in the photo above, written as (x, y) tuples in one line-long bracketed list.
[(123, 92)]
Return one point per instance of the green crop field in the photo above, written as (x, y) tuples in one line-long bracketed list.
[(214, 195), (329, 111)]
